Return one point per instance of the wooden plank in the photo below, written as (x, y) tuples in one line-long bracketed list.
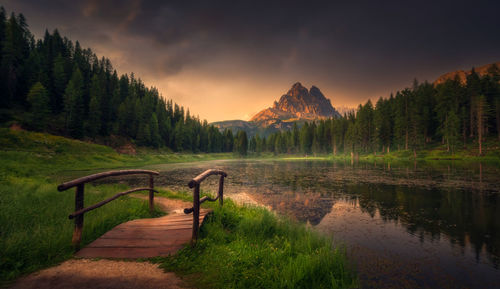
[(144, 238), (152, 235), (134, 243), (128, 253), (164, 220)]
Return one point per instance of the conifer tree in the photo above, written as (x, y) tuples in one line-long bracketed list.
[(40, 109), (473, 88), (60, 82), (242, 143), (94, 118), (482, 111), (252, 144), (144, 134), (228, 140), (155, 131), (73, 105)]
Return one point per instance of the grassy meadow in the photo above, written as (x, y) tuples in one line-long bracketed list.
[(240, 247), (35, 231)]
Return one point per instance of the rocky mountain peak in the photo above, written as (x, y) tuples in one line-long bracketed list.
[(298, 103), (315, 91)]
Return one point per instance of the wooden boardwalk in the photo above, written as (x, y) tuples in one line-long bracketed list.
[(144, 238)]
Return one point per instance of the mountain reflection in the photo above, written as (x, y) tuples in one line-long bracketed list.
[(449, 206)]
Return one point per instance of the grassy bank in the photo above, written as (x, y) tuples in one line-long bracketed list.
[(248, 247), (491, 153), (239, 247), (35, 231), (34, 224), (34, 154)]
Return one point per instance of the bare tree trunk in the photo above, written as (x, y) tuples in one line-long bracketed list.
[(498, 117), (406, 139), (447, 132), (480, 125), (471, 117), (479, 134), (464, 133)]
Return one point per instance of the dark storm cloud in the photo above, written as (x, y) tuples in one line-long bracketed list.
[(367, 46)]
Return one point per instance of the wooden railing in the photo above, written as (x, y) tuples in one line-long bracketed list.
[(79, 196), (195, 183)]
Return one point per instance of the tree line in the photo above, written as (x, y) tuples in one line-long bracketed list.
[(56, 86), (454, 113)]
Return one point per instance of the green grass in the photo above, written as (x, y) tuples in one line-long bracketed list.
[(239, 246), (34, 225), (29, 153), (249, 247), (434, 152), (35, 231)]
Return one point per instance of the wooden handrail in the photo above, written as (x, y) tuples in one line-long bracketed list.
[(202, 200), (102, 203), (79, 196), (195, 183), (198, 179), (83, 180)]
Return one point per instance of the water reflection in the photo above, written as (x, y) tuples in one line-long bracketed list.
[(440, 220)]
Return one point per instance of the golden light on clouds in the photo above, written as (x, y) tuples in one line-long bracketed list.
[(229, 60)]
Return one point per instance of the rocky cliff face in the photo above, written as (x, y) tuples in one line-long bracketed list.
[(297, 103), (462, 75)]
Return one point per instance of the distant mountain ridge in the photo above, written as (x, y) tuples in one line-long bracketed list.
[(301, 105), (462, 75), (298, 105)]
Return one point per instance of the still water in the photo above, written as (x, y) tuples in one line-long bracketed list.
[(404, 225)]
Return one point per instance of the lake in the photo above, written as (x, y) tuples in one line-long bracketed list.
[(413, 225)]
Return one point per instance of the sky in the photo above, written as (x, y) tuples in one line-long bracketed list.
[(230, 59)]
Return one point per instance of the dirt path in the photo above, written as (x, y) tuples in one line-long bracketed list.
[(171, 206), (87, 273)]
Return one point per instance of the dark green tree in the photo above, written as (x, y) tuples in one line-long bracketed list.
[(73, 105), (94, 118), (242, 143), (40, 108), (60, 82)]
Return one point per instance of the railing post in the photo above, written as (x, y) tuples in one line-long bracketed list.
[(221, 190), (77, 233), (151, 195), (196, 213)]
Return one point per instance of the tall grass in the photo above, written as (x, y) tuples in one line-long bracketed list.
[(239, 247), (35, 231), (247, 247)]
